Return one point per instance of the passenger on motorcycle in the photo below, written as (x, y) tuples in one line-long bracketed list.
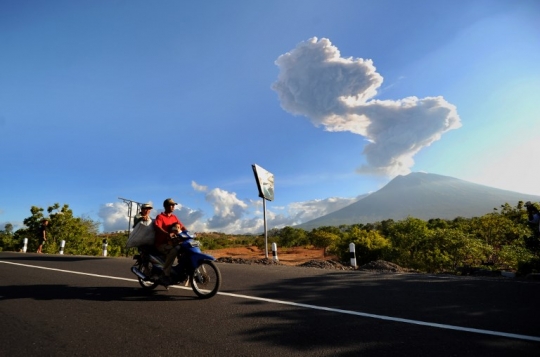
[(164, 236), (143, 215), (176, 229)]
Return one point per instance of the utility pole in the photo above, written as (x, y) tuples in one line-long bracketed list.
[(130, 209)]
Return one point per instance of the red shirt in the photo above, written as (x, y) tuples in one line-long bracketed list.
[(165, 221)]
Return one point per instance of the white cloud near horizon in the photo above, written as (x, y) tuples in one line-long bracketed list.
[(228, 209), (337, 93), (230, 214), (114, 216), (308, 210)]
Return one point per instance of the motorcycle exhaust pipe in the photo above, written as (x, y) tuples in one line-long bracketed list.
[(137, 272)]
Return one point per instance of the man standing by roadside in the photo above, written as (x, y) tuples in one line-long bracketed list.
[(163, 243), (534, 218), (42, 234)]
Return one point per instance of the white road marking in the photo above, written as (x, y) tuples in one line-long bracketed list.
[(314, 307)]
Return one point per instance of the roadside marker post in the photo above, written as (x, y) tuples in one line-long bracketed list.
[(274, 252), (25, 247), (62, 245), (105, 247), (353, 255)]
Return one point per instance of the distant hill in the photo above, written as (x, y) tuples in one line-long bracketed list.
[(423, 196)]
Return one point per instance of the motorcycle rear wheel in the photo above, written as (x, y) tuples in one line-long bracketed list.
[(147, 284), (205, 280)]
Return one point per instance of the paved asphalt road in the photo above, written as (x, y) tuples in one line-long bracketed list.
[(56, 305)]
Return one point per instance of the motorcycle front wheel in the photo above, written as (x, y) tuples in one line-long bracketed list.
[(205, 280)]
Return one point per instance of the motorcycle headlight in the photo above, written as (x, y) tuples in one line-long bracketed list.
[(195, 243)]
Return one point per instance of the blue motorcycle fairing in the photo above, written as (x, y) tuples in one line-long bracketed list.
[(197, 258), (195, 254)]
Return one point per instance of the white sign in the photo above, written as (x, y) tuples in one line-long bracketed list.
[(265, 182)]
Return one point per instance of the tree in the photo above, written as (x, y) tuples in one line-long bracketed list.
[(293, 237), (322, 239), (514, 256), (8, 228), (384, 227), (437, 223), (499, 230), (79, 233), (369, 245), (492, 228), (7, 241), (32, 224), (406, 237), (446, 249)]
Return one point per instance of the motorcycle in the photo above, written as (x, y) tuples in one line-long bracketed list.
[(194, 267)]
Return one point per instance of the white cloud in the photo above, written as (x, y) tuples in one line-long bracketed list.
[(337, 93), (230, 214), (198, 187), (114, 216), (306, 211), (188, 216), (228, 209)]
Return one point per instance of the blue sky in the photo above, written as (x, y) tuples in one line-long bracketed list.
[(149, 100)]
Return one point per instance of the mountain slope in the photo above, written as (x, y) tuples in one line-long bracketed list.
[(423, 196)]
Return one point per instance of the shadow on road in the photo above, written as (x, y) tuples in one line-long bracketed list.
[(482, 304), (101, 293), (48, 257)]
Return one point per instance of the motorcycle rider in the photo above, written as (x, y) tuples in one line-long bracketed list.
[(164, 237)]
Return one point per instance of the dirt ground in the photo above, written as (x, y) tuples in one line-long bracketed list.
[(287, 256)]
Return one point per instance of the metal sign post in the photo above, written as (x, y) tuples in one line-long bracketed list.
[(265, 184), (265, 230)]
